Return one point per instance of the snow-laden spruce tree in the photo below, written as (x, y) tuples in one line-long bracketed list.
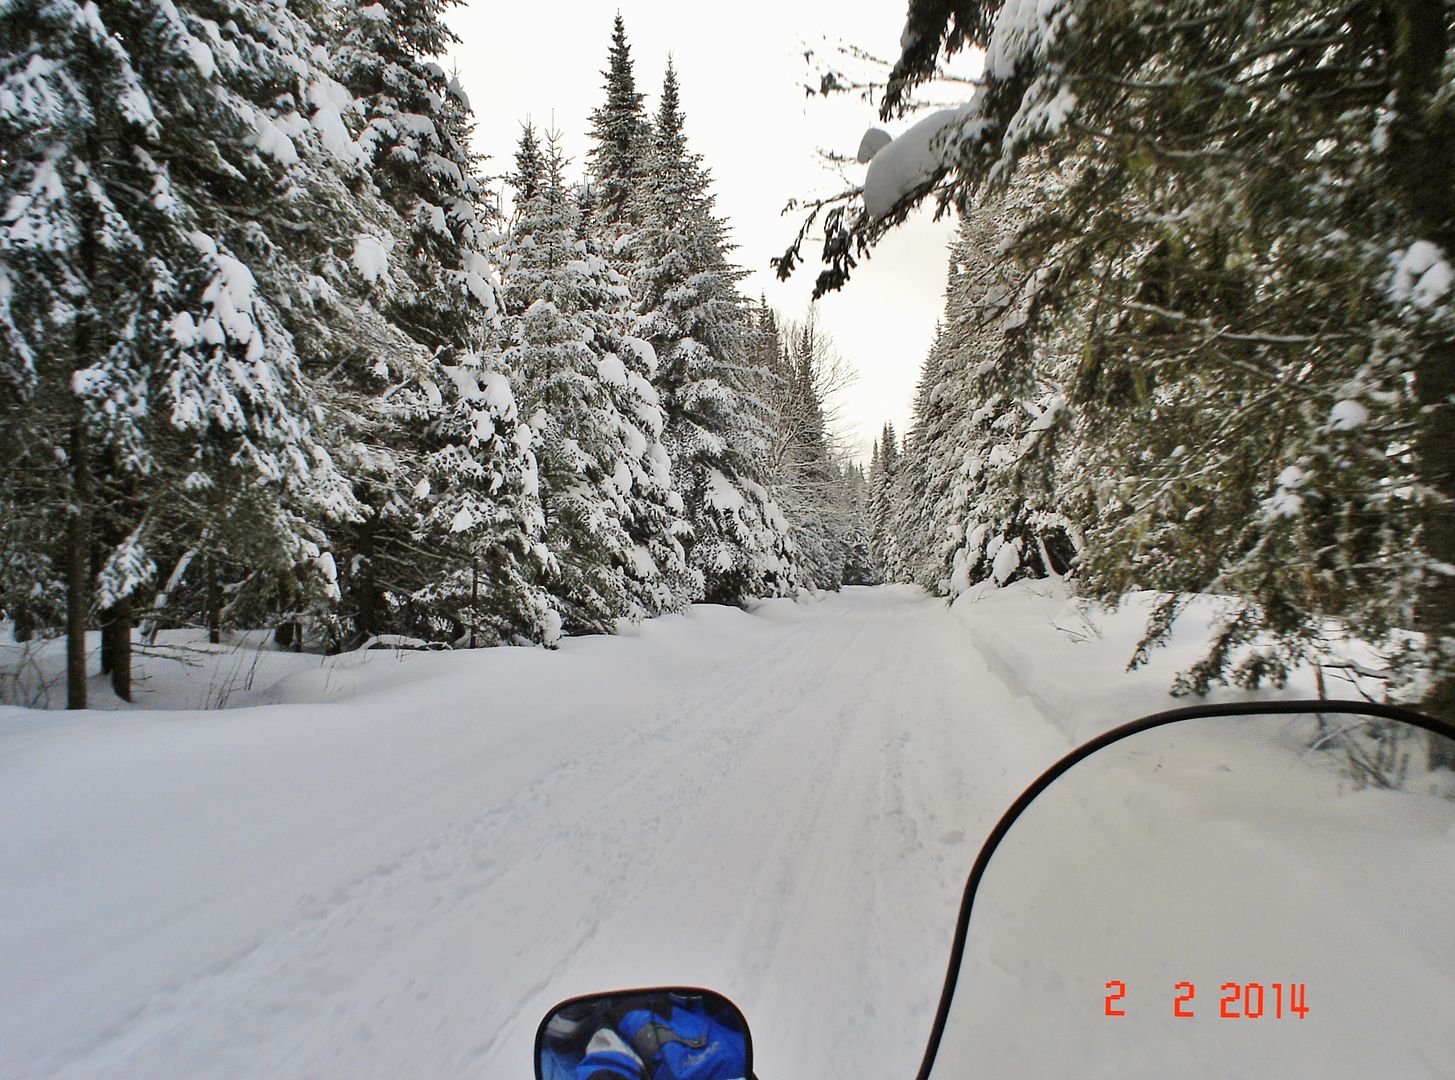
[(995, 401), (621, 142), (920, 493), (481, 545), (884, 544), (612, 519), (164, 169), (644, 220), (859, 569), (701, 327), (449, 542), (660, 578)]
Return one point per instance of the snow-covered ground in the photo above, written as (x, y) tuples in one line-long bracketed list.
[(1209, 860), (391, 864)]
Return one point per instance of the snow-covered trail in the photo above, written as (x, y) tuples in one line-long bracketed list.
[(781, 805)]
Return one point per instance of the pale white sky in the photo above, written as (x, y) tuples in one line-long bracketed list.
[(742, 72)]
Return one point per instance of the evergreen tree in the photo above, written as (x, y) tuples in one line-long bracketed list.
[(415, 415), (1252, 273), (859, 566), (482, 543), (883, 543), (659, 576), (612, 518), (700, 329), (622, 139), (152, 318), (921, 489), (999, 498)]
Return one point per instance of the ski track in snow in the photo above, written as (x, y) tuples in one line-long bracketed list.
[(787, 815)]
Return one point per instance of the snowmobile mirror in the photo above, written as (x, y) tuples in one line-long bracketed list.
[(1217, 893), (671, 1033)]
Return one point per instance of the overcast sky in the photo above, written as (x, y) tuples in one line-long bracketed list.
[(742, 73)]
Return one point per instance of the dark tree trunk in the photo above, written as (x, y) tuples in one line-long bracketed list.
[(289, 635), (474, 597), (367, 602), (79, 571), (116, 646), (108, 642), (214, 605), (78, 568), (1423, 171)]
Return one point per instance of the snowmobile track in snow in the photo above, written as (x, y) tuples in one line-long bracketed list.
[(783, 805)]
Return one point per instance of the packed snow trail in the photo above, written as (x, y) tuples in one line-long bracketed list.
[(782, 805)]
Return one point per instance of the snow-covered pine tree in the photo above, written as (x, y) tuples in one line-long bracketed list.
[(162, 165), (418, 416), (621, 143), (1007, 508), (700, 327), (481, 543), (920, 519), (659, 578), (859, 570), (883, 542), (613, 521), (1255, 347), (873, 481)]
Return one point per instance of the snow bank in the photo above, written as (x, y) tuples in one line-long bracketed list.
[(1070, 657)]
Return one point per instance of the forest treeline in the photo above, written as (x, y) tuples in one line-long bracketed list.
[(1199, 331), (272, 354)]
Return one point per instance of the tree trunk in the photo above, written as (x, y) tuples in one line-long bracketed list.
[(153, 623), (79, 572), (214, 605), (116, 646), (78, 568), (108, 641), (367, 621), (1423, 172), (1436, 448), (474, 597), (289, 635)]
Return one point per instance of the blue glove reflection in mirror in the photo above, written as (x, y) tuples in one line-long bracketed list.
[(645, 1035)]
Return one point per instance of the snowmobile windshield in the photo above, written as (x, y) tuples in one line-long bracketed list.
[(1217, 893)]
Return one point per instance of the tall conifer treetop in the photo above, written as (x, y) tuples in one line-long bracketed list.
[(701, 328), (621, 135)]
